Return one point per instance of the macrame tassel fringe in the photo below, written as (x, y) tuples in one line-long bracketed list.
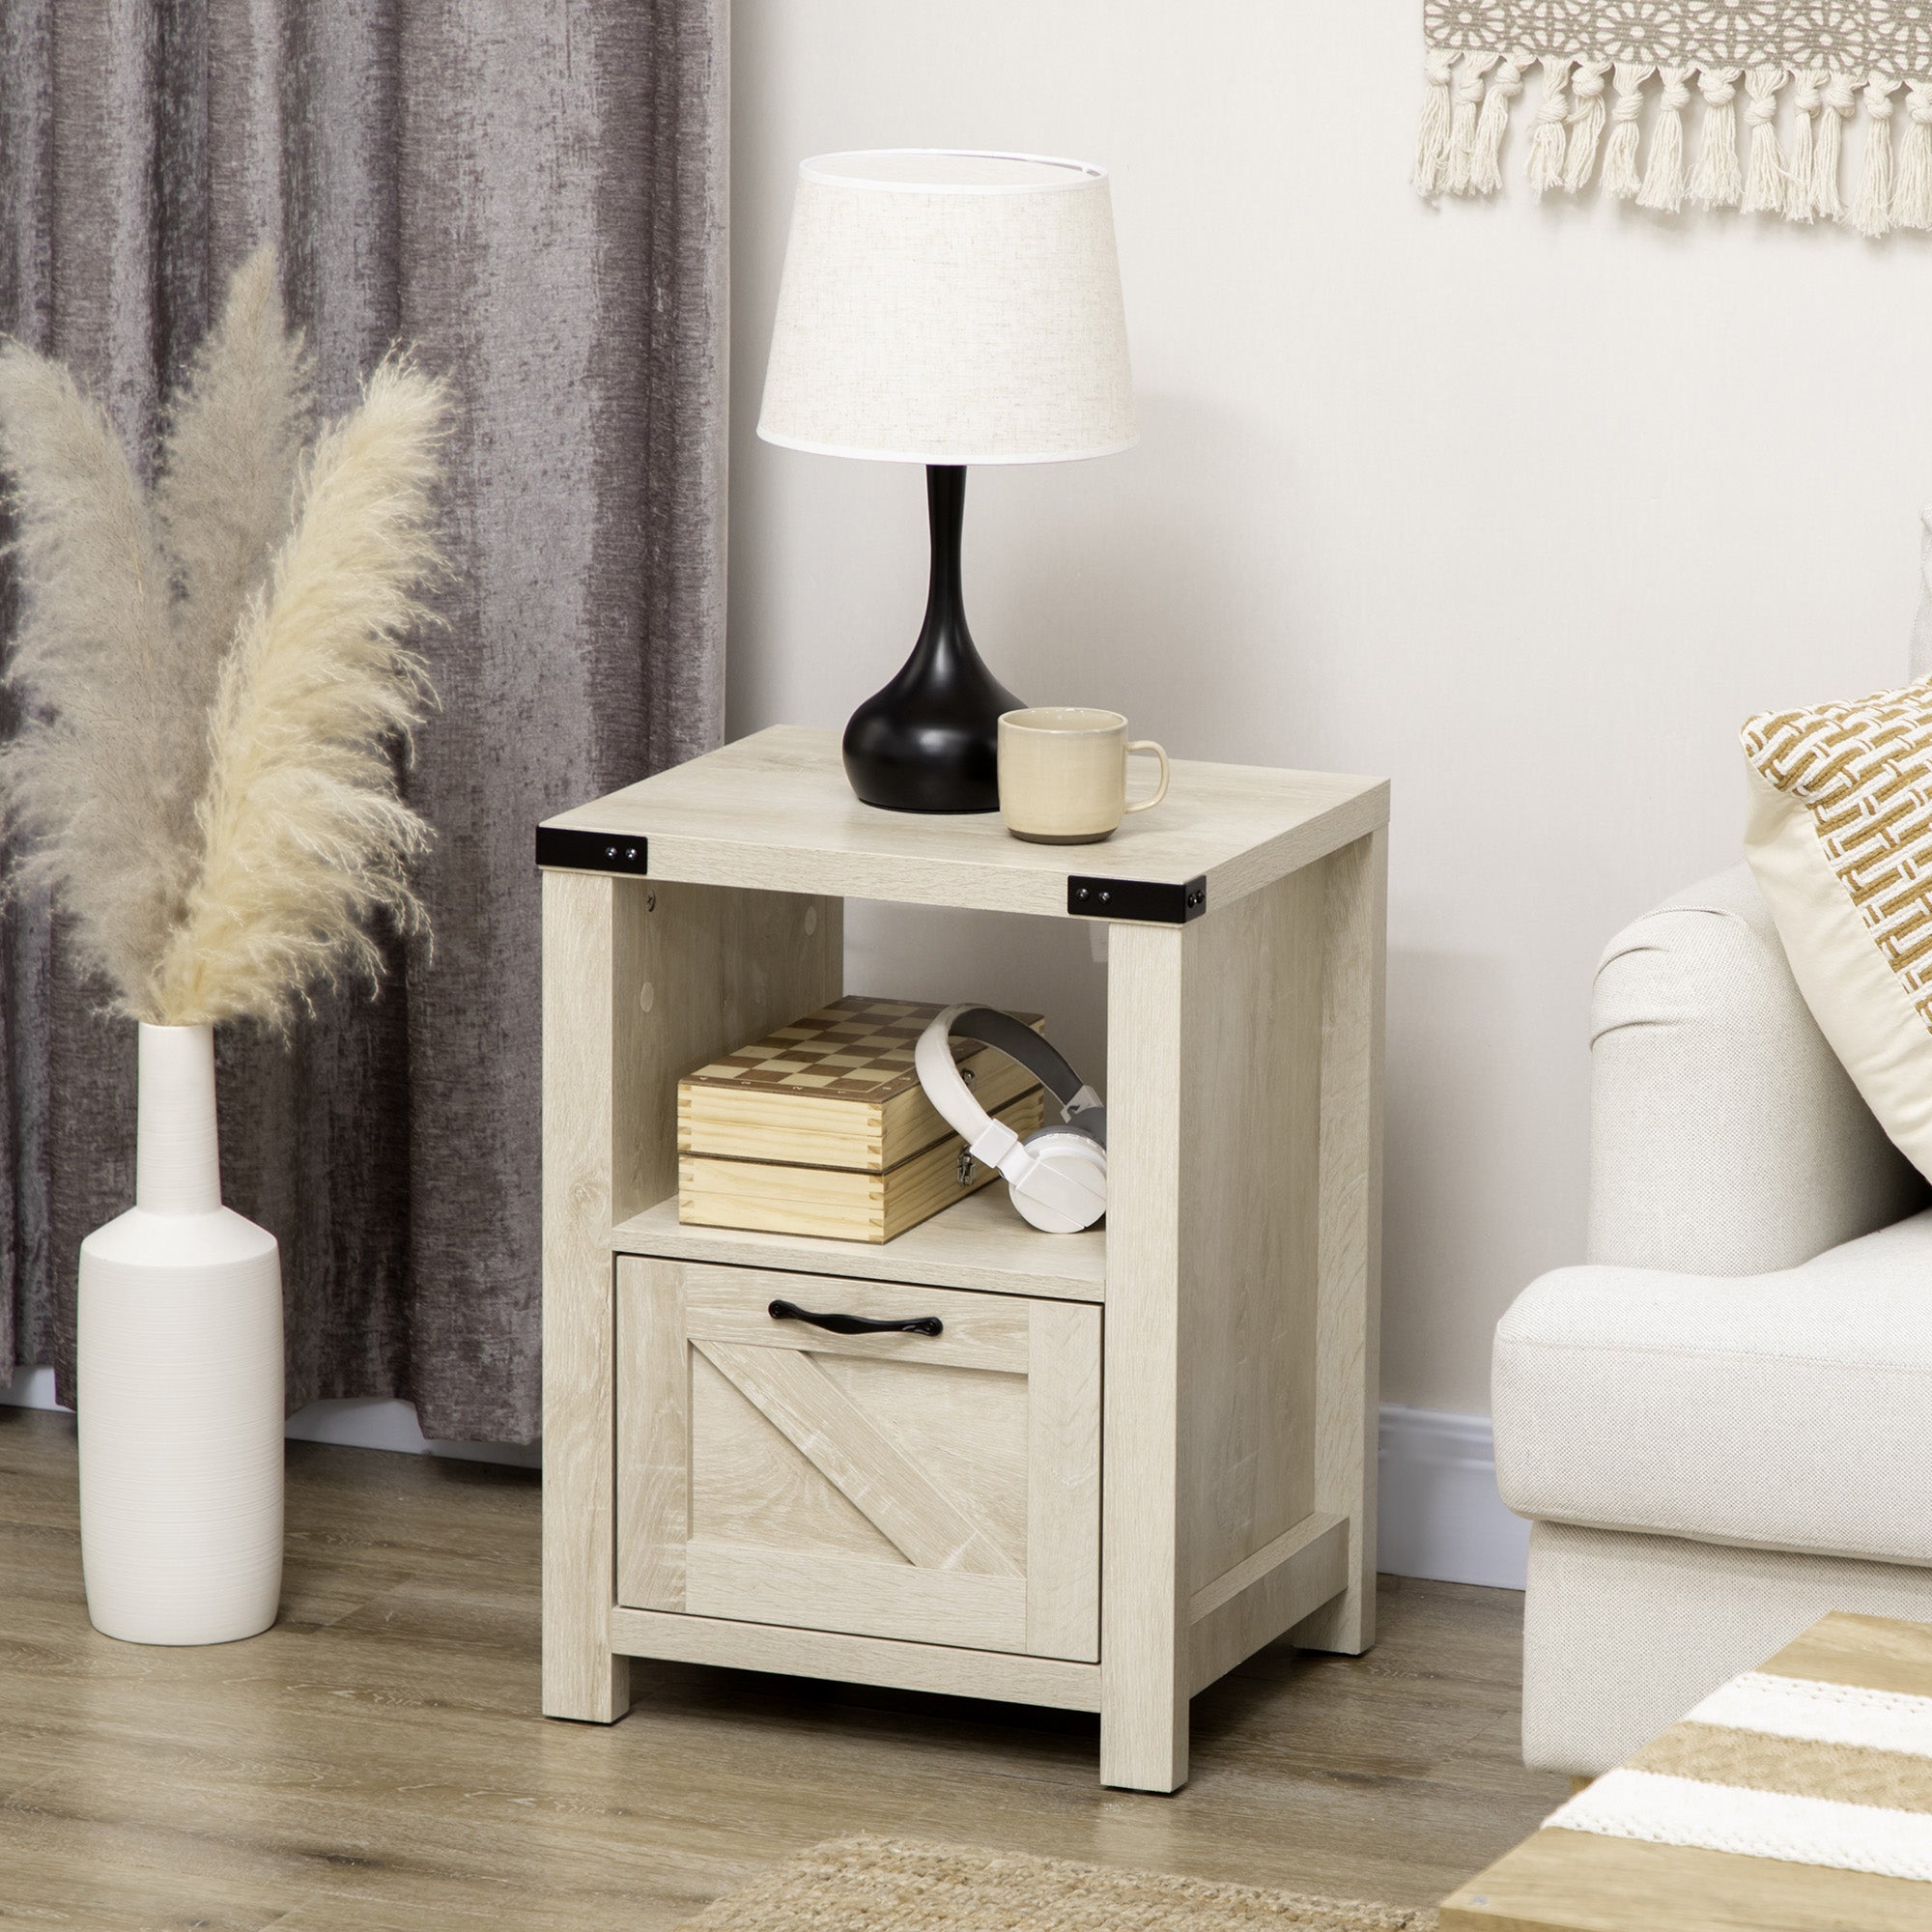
[(1872, 212), (1589, 125), (1807, 87), (1717, 180), (1548, 145), (1767, 182), (1838, 102), (1664, 179), (1431, 141), (1620, 176), (1486, 171), (1912, 197), (1586, 123), (1469, 99)]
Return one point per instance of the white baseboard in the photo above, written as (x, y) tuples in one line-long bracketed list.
[(359, 1423), (1439, 1513)]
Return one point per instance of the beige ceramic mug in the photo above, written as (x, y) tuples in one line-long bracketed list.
[(1064, 774)]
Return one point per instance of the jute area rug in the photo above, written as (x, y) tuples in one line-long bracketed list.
[(879, 1884)]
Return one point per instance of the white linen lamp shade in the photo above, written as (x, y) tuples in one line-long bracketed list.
[(946, 308), (949, 308)]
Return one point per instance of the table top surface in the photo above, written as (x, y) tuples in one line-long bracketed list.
[(774, 811), (1797, 1797)]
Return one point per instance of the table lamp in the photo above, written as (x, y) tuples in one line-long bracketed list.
[(946, 308)]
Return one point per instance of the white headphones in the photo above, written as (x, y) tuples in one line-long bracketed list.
[(1058, 1174)]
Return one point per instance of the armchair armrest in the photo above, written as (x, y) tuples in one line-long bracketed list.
[(1724, 1136)]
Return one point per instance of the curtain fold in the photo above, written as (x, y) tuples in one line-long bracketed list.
[(534, 198)]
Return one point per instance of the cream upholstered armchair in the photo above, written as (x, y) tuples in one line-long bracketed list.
[(1720, 1427)]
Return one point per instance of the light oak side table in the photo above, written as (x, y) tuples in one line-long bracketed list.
[(1131, 1456)]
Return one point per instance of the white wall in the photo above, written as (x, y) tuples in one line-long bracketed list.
[(1525, 507)]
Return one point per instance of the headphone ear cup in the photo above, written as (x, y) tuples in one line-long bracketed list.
[(1061, 1187)]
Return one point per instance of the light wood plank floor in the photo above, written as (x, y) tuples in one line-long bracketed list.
[(377, 1762)]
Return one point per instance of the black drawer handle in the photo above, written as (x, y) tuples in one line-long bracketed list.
[(856, 1324)]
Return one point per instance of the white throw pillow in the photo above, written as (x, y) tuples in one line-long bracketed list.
[(1840, 838)]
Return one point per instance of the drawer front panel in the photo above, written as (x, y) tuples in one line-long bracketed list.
[(932, 1489)]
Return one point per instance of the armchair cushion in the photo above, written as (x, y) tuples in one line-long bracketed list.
[(1789, 1411), (1724, 1136)]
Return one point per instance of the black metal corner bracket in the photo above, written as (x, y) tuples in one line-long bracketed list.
[(1152, 902), (559, 850)]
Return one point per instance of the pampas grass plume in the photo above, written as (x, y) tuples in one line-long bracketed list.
[(93, 784), (224, 498), (214, 685), (304, 832)]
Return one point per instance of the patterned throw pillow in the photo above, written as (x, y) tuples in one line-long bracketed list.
[(1840, 839)]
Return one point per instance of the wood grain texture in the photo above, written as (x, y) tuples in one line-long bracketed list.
[(773, 813), (803, 1591), (1250, 1123), (981, 1245), (653, 1433), (928, 1526), (1251, 1604), (879, 1485), (706, 971), (583, 1677), (641, 982), (1348, 1318), (750, 1484), (840, 1204), (1576, 1881), (996, 1676), (1143, 1610), (865, 1108), (376, 1760), (1867, 1653), (979, 1331), (1243, 1052), (1063, 1517)]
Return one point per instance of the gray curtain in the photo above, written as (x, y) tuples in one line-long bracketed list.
[(534, 195)]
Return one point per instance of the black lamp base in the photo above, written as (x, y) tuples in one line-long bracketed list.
[(929, 741)]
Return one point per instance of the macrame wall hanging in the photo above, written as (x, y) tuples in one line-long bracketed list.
[(1618, 75)]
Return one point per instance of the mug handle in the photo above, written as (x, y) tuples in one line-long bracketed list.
[(1160, 790)]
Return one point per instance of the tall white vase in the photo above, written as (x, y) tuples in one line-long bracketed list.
[(180, 1362)]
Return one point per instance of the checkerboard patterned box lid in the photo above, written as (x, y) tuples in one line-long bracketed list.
[(857, 1048)]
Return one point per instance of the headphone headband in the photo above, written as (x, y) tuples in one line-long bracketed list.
[(1058, 1174), (1079, 1105)]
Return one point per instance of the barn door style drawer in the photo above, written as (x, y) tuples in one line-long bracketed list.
[(933, 1487)]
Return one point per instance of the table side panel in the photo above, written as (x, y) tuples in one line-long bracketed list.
[(1250, 1123), (1349, 1322), (699, 971)]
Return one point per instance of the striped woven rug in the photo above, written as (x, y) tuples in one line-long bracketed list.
[(1823, 1756)]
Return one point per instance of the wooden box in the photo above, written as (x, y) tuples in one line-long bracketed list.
[(822, 1128)]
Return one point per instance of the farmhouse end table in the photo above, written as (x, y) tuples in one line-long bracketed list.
[(930, 1512)]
